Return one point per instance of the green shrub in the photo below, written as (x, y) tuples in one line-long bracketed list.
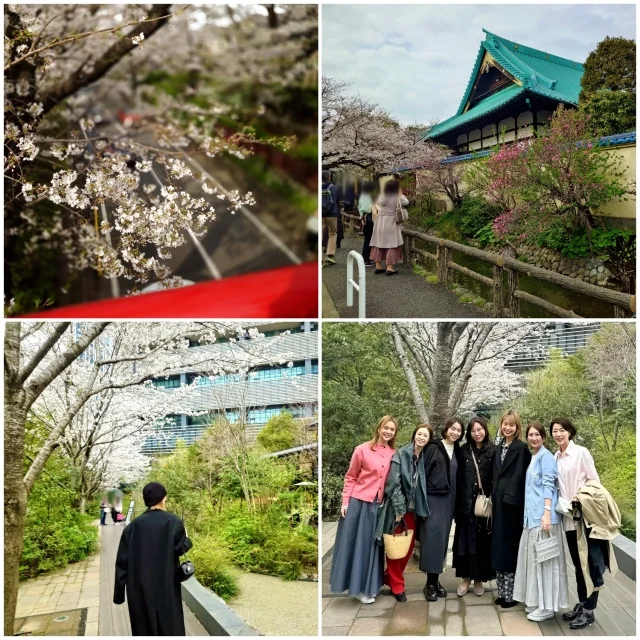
[(212, 570), (279, 433), (332, 486), (486, 236), (473, 214), (287, 553)]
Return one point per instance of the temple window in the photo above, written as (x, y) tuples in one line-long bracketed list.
[(475, 140), (489, 138), (525, 125), (462, 143)]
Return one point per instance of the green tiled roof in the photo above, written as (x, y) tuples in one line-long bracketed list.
[(539, 72)]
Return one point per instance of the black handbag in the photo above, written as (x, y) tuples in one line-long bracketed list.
[(187, 570)]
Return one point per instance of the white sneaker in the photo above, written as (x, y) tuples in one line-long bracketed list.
[(530, 609), (366, 599), (540, 614)]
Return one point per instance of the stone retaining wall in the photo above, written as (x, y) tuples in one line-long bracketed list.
[(591, 270)]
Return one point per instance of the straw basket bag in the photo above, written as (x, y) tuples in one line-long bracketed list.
[(396, 545)]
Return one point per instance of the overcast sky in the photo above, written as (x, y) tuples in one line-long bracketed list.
[(416, 60)]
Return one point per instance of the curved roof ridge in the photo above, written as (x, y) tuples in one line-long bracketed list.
[(538, 53), (518, 67), (474, 73)]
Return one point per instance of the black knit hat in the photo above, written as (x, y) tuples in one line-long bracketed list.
[(153, 494)]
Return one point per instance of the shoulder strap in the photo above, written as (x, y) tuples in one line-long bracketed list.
[(477, 473)]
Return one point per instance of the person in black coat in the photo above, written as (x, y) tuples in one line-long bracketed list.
[(148, 566), (441, 460), (509, 475), (472, 539)]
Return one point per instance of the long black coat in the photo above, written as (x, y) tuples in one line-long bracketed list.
[(467, 484), (508, 505), (148, 565)]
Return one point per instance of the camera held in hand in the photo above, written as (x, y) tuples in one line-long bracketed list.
[(576, 510)]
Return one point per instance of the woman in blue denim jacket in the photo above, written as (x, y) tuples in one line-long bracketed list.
[(542, 586)]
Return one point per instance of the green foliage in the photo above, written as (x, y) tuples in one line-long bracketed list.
[(610, 112), (279, 433), (486, 237), (212, 567), (275, 533), (56, 533), (473, 214), (611, 66), (581, 244)]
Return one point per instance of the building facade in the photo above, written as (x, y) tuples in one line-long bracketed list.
[(252, 398)]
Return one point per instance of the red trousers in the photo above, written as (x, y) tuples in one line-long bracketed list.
[(394, 575)]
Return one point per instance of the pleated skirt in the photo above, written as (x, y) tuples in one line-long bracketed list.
[(358, 561), (545, 584)]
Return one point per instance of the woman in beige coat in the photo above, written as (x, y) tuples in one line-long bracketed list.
[(386, 240)]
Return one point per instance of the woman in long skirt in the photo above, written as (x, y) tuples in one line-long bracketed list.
[(386, 240), (542, 586), (472, 539), (358, 561), (575, 467), (441, 460), (509, 474)]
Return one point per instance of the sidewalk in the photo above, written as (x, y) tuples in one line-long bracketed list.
[(62, 594), (467, 616), (406, 295)]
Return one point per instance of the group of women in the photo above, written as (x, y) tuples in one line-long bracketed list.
[(509, 502), (382, 232)]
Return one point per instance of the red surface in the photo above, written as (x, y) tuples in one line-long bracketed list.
[(289, 292)]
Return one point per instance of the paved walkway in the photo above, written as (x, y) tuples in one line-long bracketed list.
[(406, 295), (468, 616)]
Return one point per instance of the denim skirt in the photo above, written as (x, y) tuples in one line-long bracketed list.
[(358, 560)]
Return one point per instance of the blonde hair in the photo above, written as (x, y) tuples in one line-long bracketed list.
[(511, 413), (376, 433)]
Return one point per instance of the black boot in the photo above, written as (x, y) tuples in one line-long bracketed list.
[(583, 619), (400, 597), (430, 592), (574, 613), (441, 591)]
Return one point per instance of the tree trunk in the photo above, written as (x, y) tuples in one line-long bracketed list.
[(448, 335), (418, 401), (15, 492)]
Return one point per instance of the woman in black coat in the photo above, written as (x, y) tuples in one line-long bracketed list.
[(148, 568), (441, 460), (472, 539), (509, 474)]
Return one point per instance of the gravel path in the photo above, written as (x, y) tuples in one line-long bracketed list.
[(277, 607), (406, 295)]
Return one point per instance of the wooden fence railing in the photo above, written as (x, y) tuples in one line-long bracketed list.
[(624, 304)]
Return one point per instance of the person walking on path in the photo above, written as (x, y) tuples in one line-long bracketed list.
[(365, 207), (472, 538), (509, 475), (104, 510), (541, 584), (441, 459), (330, 213), (386, 239), (405, 499), (575, 469), (358, 561), (147, 565)]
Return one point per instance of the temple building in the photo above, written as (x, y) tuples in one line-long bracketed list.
[(512, 92)]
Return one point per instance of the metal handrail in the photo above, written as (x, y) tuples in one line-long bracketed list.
[(360, 286)]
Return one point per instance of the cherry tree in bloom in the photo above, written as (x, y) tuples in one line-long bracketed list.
[(76, 190), (361, 136), (68, 376), (462, 363)]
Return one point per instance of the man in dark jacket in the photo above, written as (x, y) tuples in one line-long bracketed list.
[(148, 565), (330, 213)]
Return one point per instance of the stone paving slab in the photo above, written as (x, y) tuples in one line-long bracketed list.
[(470, 615)]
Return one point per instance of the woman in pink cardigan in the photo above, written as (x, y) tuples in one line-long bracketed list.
[(358, 562)]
